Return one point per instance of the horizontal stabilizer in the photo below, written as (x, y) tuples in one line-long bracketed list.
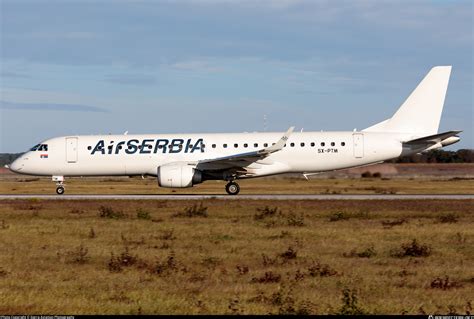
[(432, 139)]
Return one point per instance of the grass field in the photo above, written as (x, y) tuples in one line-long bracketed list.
[(239, 257), (35, 185)]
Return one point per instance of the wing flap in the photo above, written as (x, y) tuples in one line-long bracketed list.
[(243, 159)]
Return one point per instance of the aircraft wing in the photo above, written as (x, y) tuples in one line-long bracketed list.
[(432, 139), (242, 159)]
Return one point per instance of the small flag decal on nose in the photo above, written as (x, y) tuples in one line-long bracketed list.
[(44, 156)]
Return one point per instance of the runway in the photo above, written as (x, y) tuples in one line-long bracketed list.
[(238, 197)]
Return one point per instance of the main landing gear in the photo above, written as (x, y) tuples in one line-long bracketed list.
[(232, 188), (59, 183)]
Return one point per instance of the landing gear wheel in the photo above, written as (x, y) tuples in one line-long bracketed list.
[(232, 188), (60, 190)]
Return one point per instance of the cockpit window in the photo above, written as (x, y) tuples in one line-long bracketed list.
[(40, 147), (34, 148), (43, 147)]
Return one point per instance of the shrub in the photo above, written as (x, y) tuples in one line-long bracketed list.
[(193, 211), (76, 211), (290, 253), (396, 222), (321, 270), (412, 249), (3, 224), (168, 234), (366, 174), (295, 220), (366, 253), (3, 273), (125, 259), (448, 218), (268, 277), (160, 267), (92, 233), (349, 304), (444, 283), (242, 269), (287, 303), (268, 261), (143, 214), (338, 216), (78, 255), (109, 212), (266, 212)]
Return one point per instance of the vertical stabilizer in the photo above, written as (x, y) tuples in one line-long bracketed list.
[(421, 112)]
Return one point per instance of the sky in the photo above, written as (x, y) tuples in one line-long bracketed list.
[(187, 66)]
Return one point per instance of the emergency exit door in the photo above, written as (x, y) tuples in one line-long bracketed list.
[(71, 149), (358, 139)]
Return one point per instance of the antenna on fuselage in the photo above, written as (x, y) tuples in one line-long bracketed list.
[(125, 133)]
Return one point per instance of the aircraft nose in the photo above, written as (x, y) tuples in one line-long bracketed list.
[(16, 166)]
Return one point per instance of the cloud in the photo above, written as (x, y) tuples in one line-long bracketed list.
[(14, 75), (6, 105), (196, 65), (131, 79)]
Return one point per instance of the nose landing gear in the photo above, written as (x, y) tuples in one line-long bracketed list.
[(232, 188), (59, 183), (60, 190)]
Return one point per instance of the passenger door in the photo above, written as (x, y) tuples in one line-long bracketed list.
[(358, 139), (71, 149)]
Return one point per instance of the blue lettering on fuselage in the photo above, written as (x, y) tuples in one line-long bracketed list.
[(150, 146)]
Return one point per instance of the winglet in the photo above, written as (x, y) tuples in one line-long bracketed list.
[(280, 144)]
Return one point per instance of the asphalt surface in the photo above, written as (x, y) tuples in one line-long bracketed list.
[(237, 197)]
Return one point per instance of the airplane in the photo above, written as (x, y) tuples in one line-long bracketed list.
[(184, 160)]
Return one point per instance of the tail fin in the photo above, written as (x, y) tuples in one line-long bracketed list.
[(421, 112)]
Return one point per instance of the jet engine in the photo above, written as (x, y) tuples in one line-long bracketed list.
[(178, 175)]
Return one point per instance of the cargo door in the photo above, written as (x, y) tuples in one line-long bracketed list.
[(71, 149), (358, 139)]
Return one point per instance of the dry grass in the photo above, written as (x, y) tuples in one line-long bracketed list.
[(125, 185), (63, 257)]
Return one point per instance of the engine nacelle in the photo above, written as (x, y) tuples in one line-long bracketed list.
[(178, 175)]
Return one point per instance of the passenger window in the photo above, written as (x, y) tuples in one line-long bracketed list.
[(322, 144), (213, 145), (255, 145), (332, 143), (343, 144), (312, 144), (236, 145), (292, 144), (246, 145), (225, 145), (89, 147), (302, 144), (265, 145)]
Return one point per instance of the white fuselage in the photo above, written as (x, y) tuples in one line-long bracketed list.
[(115, 155)]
